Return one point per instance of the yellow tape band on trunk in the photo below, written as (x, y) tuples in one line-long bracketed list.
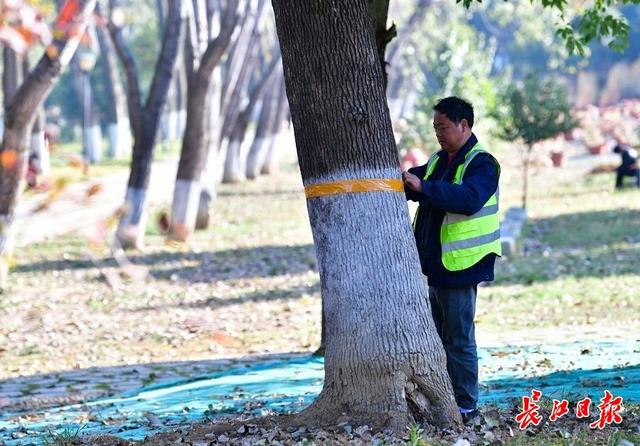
[(350, 186)]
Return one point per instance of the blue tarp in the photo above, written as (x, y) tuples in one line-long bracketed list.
[(560, 371)]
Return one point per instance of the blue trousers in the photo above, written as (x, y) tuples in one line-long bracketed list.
[(453, 311)]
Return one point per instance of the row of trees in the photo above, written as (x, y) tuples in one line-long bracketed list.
[(229, 55), (384, 364)]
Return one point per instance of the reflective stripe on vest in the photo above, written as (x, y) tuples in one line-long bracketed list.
[(466, 239)]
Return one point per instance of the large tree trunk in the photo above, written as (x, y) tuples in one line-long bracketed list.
[(18, 120), (144, 121), (384, 363), (117, 118), (201, 64)]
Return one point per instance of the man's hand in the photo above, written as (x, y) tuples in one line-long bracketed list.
[(411, 181)]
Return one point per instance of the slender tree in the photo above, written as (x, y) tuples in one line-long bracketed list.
[(91, 131), (71, 25), (280, 128), (384, 364), (202, 57), (531, 111), (225, 106), (116, 112), (144, 119), (236, 160), (264, 129), (238, 89)]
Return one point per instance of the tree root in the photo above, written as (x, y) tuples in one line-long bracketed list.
[(427, 407)]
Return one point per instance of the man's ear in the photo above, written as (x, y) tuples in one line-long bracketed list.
[(464, 123)]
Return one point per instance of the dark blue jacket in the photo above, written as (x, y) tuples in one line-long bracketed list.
[(439, 196)]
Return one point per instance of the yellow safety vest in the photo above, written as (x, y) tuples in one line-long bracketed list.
[(466, 239)]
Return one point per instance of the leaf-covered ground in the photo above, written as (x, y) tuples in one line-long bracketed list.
[(249, 286)]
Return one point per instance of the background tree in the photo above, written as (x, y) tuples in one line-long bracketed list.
[(202, 57), (145, 118), (530, 111), (384, 364), (226, 107), (116, 103), (21, 111), (456, 62)]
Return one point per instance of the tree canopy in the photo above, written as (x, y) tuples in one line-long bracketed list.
[(578, 25)]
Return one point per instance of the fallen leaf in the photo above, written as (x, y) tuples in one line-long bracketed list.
[(94, 189), (224, 339)]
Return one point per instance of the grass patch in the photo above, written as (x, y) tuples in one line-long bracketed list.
[(67, 437), (579, 262)]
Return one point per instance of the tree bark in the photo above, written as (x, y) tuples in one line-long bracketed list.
[(12, 75), (16, 69), (379, 12), (193, 155), (384, 363), (144, 120), (18, 120)]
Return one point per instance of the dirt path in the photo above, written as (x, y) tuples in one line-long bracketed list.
[(73, 210)]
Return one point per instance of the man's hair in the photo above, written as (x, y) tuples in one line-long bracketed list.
[(456, 109)]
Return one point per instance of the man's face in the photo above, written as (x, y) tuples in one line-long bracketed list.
[(451, 136)]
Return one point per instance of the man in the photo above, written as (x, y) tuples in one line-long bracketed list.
[(457, 231), (629, 166)]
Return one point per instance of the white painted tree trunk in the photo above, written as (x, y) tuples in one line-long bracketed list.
[(7, 232), (377, 314), (93, 144), (173, 123), (119, 138), (256, 159), (384, 363), (40, 148), (278, 142), (182, 122), (184, 209), (132, 225), (208, 183), (6, 249), (234, 166), (170, 125)]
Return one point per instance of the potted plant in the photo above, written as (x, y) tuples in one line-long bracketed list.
[(557, 157), (594, 140)]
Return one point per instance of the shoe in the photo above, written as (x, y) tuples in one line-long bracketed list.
[(470, 418)]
